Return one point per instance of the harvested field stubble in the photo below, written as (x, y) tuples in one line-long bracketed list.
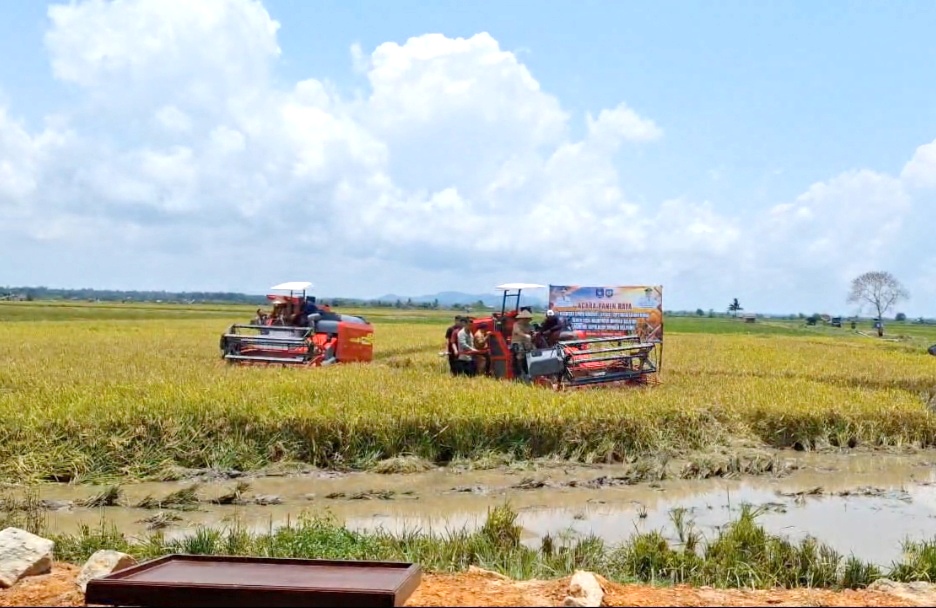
[(81, 398)]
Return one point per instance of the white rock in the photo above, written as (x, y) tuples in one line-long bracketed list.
[(23, 554), (102, 563), (584, 590), (920, 593), (920, 586)]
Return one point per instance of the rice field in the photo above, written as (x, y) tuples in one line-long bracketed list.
[(132, 390)]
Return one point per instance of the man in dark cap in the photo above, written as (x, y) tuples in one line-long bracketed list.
[(551, 328)]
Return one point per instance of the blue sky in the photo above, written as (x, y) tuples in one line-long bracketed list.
[(788, 150), (746, 89)]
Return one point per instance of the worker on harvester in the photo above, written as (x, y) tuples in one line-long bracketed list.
[(278, 314), (483, 359), (521, 341), (309, 306), (551, 328)]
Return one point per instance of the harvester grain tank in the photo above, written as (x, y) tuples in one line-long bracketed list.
[(298, 331)]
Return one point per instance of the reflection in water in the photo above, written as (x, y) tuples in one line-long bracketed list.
[(871, 527)]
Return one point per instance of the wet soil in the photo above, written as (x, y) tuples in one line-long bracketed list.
[(832, 497), (486, 589)]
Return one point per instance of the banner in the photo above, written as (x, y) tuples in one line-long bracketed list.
[(610, 311)]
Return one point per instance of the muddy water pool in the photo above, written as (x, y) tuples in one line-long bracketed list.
[(864, 504)]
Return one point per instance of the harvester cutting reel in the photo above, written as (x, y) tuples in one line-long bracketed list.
[(287, 345), (593, 362)]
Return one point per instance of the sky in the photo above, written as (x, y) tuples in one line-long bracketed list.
[(769, 152)]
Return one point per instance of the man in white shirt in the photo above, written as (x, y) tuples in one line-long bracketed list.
[(466, 349)]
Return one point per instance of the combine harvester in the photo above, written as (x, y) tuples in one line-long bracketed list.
[(570, 359), (298, 332)]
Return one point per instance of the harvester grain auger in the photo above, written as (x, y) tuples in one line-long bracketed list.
[(565, 358), (298, 332)]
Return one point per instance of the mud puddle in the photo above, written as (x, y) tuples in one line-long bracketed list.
[(864, 504)]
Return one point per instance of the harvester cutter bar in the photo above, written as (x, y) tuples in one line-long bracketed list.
[(285, 360), (607, 378), (601, 366), (270, 335)]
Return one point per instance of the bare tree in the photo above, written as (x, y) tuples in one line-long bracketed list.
[(881, 290)]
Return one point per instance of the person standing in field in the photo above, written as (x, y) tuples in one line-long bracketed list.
[(451, 348), (466, 349), (483, 360)]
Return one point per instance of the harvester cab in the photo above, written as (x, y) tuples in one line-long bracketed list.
[(566, 359), (298, 331)]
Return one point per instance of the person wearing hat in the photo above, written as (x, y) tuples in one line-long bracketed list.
[(521, 339), (551, 327)]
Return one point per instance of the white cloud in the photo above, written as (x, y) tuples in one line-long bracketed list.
[(455, 170), (622, 123), (851, 218), (924, 287), (808, 250), (17, 162), (153, 43), (173, 119), (920, 171)]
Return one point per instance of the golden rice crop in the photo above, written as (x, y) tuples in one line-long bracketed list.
[(134, 397)]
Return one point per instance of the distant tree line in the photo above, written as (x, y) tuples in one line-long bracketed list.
[(115, 295), (193, 297), (878, 290)]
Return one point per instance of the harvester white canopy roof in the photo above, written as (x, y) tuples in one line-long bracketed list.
[(292, 286), (512, 286)]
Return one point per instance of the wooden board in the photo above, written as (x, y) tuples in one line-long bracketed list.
[(201, 580)]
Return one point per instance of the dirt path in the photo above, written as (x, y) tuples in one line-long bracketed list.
[(487, 589)]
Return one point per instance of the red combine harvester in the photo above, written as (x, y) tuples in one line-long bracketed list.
[(564, 359), (298, 332)]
